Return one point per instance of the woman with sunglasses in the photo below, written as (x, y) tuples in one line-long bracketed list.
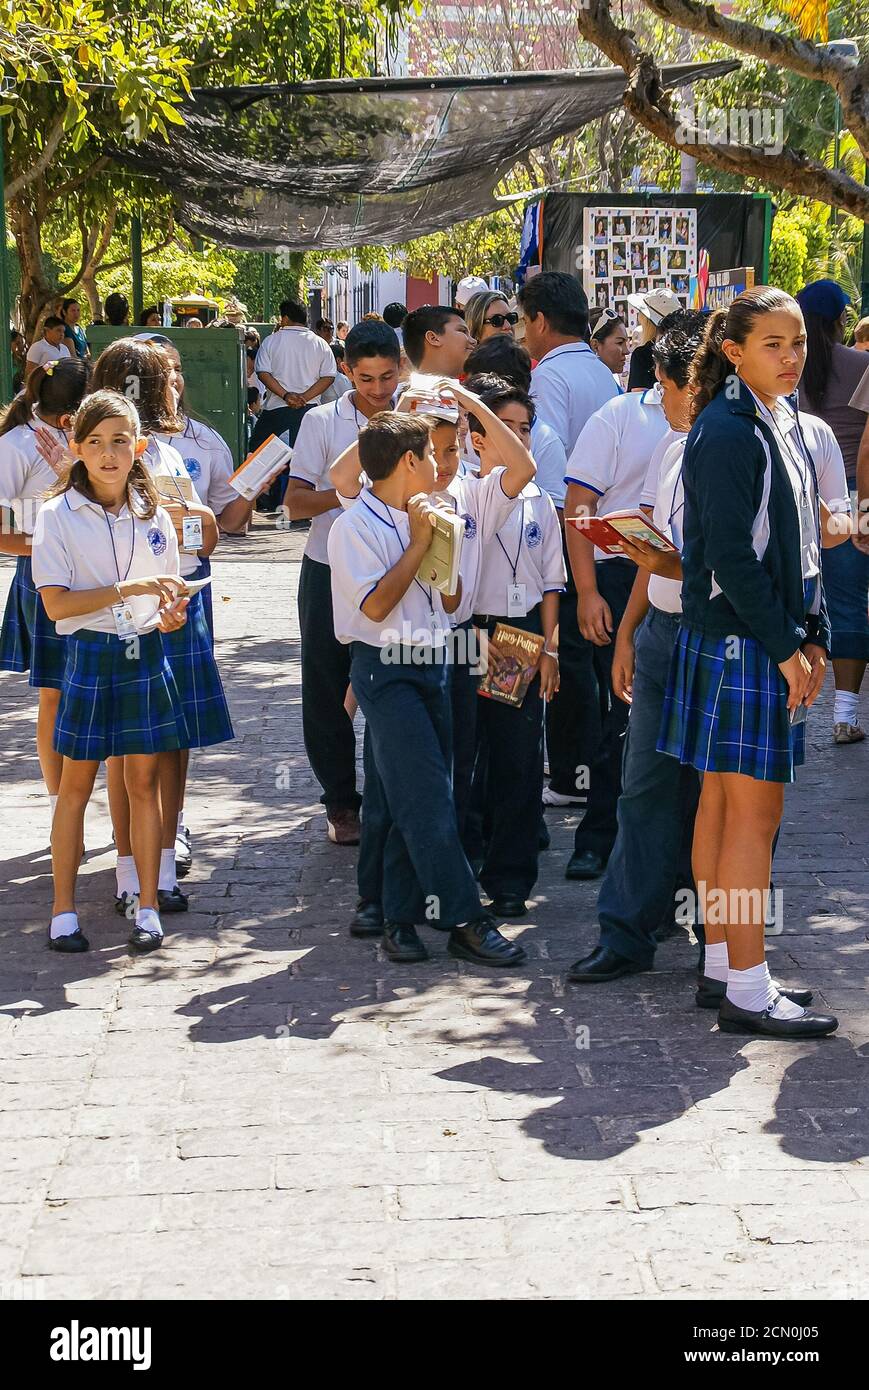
[(488, 314), (609, 339)]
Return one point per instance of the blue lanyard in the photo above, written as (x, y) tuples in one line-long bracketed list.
[(514, 563), (114, 551), (387, 521)]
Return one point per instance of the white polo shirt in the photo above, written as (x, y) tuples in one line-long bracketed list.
[(365, 542), (663, 492), (527, 549), (485, 507), (41, 352), (325, 433), (164, 461), (611, 455), (297, 358), (340, 386), (551, 460), (79, 545), (568, 385), (829, 463), (25, 477), (207, 461)]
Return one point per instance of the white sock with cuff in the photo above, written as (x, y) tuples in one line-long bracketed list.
[(64, 924), (148, 919), (127, 877), (845, 707), (715, 961), (168, 875)]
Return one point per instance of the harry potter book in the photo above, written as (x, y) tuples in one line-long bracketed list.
[(514, 656)]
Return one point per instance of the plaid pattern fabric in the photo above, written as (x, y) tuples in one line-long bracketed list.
[(29, 640), (191, 659), (202, 572), (725, 709), (114, 703)]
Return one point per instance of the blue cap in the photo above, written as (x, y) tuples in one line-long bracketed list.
[(825, 298)]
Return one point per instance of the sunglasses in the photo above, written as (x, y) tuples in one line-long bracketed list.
[(608, 316), (498, 320)]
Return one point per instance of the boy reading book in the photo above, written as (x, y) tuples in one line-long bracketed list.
[(375, 548)]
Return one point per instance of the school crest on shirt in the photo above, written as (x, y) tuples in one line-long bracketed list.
[(533, 534), (194, 469), (157, 541), (470, 526)]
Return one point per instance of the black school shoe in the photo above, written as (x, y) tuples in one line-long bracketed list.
[(71, 945), (367, 920), (710, 993), (601, 966), (401, 943), (584, 866), (811, 1025), (171, 902), (482, 943), (508, 907), (143, 941)]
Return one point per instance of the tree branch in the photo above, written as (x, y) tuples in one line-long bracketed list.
[(148, 250), (70, 185), (41, 163)]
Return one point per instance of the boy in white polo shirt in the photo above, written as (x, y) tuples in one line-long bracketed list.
[(371, 356), (295, 366), (605, 473), (397, 629), (50, 347)]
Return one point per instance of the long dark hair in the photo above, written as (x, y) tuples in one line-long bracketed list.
[(142, 495), (141, 371), (820, 337), (55, 389), (711, 369)]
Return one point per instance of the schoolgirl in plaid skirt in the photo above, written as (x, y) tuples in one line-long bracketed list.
[(29, 641), (105, 562), (751, 656)]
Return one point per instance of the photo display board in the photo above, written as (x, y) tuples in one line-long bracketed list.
[(636, 249)]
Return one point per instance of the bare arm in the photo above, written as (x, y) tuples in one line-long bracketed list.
[(519, 466), (236, 515), (302, 500), (72, 603), (623, 652), (345, 473), (451, 602), (391, 589), (549, 672), (593, 612)]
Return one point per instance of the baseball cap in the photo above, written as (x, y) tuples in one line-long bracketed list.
[(655, 305), (471, 285), (825, 298)]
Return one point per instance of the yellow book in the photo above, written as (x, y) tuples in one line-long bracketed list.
[(439, 566)]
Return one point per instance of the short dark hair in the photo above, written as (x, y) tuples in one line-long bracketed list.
[(337, 351), (680, 336), (387, 437), (561, 298), (65, 305), (323, 323), (501, 356), (252, 395), (371, 338), (117, 307), (431, 318), (294, 311), (495, 392), (394, 314), (52, 322), (148, 311)]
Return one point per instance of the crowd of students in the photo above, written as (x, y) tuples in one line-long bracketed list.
[(672, 687)]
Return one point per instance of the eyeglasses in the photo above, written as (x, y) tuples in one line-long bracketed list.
[(608, 316), (498, 320)]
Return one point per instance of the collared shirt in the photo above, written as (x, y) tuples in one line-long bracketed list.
[(364, 544), (551, 460), (25, 477), (339, 387), (485, 507), (42, 352), (164, 461), (325, 433), (526, 550), (79, 545), (783, 423), (74, 337), (208, 463), (611, 456), (296, 358), (663, 492), (568, 385)]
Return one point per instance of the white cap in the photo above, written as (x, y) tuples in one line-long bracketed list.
[(471, 285), (656, 305)]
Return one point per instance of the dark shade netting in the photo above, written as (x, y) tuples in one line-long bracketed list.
[(378, 160)]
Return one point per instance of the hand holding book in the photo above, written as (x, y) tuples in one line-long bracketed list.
[(664, 562)]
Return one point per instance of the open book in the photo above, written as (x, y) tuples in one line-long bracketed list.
[(516, 658), (606, 531), (271, 456), (439, 566)]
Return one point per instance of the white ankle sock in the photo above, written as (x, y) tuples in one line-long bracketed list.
[(715, 962), (845, 707), (125, 872), (148, 919), (754, 990), (168, 875), (786, 1008), (52, 801), (64, 924)]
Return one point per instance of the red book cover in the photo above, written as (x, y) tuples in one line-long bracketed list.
[(606, 532)]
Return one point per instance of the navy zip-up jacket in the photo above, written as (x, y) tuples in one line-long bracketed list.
[(741, 561)]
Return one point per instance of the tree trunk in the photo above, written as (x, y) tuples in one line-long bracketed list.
[(36, 293), (89, 285)]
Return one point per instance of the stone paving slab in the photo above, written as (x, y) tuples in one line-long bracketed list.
[(271, 1110)]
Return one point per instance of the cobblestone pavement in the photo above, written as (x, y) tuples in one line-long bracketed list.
[(270, 1109)]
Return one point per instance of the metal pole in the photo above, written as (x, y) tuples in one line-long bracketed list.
[(834, 212), (864, 308), (6, 392), (136, 255), (267, 287)]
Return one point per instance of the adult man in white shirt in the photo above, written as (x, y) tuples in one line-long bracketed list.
[(568, 384), (50, 347), (295, 366)]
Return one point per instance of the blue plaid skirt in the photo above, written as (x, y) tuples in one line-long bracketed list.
[(191, 658), (29, 640), (117, 698), (725, 709), (203, 571)]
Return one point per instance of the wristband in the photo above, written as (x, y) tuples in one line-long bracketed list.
[(554, 655)]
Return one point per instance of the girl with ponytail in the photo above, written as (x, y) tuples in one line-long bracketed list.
[(751, 654), (29, 640)]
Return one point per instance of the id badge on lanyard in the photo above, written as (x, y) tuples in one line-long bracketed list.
[(516, 607), (191, 534), (125, 623)]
